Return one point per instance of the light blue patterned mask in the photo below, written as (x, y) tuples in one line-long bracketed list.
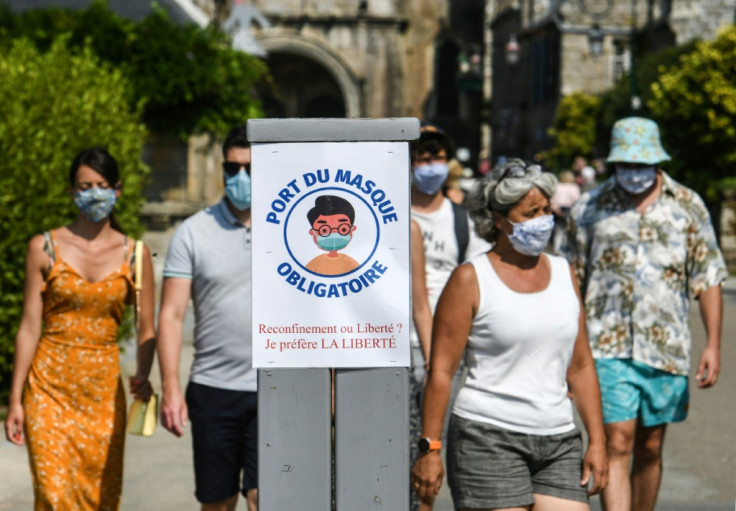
[(531, 237), (636, 181), (95, 204)]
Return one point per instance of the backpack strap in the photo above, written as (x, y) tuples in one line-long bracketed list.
[(462, 230)]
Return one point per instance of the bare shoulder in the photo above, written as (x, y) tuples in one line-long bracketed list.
[(463, 275), (36, 256), (461, 293), (36, 243)]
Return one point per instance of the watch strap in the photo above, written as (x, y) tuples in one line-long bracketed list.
[(435, 445)]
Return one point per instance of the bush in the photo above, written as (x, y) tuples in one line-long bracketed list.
[(694, 101), (690, 91), (616, 102), (52, 105), (190, 79), (573, 129)]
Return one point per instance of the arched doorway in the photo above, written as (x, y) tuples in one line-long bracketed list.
[(309, 79), (301, 87)]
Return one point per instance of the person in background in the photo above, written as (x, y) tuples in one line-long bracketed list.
[(451, 189), (421, 311), (588, 178), (643, 245), (209, 260), (577, 166), (67, 400), (517, 315), (565, 195)]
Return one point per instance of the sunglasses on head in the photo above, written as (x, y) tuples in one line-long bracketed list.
[(232, 167)]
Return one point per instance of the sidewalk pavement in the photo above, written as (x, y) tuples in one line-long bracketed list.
[(699, 457)]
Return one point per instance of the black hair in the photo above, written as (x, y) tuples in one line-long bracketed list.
[(102, 162), (237, 137), (432, 141), (330, 205)]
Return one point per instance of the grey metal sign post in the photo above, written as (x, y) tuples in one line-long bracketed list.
[(371, 405)]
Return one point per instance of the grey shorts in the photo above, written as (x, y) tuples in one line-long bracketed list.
[(489, 467)]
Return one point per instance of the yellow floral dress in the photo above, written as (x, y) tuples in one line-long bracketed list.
[(74, 400)]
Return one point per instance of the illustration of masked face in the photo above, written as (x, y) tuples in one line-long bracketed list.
[(332, 232)]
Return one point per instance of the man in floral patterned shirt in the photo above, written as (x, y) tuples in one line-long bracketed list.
[(642, 245)]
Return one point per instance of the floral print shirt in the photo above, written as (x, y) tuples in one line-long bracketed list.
[(637, 272)]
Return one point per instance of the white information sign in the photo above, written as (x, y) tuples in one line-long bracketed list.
[(330, 242)]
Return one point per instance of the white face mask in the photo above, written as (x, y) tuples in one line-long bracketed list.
[(636, 181), (531, 237)]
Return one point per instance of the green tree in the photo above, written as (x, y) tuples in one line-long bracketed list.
[(52, 105), (615, 103), (190, 79), (695, 103), (573, 129)]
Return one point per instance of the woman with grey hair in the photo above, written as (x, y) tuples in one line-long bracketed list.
[(516, 314)]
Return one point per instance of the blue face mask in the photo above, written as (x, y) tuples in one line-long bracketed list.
[(429, 178), (636, 181), (237, 189), (95, 204), (531, 237), (334, 241)]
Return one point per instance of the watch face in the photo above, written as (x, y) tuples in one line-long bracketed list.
[(423, 444)]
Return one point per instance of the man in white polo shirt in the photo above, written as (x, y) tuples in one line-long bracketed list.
[(209, 261)]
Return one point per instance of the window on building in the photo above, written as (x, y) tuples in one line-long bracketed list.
[(620, 61)]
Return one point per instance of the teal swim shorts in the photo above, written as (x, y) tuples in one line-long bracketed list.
[(630, 390)]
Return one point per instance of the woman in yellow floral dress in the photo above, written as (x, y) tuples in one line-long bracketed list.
[(67, 399)]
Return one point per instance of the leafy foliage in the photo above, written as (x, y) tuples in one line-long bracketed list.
[(190, 79), (574, 129), (690, 91), (616, 102), (695, 103), (53, 104)]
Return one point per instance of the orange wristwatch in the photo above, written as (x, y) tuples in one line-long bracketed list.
[(428, 445)]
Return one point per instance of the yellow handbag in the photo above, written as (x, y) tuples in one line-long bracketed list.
[(142, 417)]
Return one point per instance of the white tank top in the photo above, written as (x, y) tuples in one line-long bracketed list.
[(518, 352)]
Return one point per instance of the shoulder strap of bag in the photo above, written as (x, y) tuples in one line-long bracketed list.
[(138, 281), (462, 231), (138, 262), (48, 247)]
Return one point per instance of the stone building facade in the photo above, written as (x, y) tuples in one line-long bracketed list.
[(333, 58), (556, 58), (338, 58), (356, 58)]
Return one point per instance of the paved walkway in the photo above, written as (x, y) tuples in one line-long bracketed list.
[(700, 454)]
